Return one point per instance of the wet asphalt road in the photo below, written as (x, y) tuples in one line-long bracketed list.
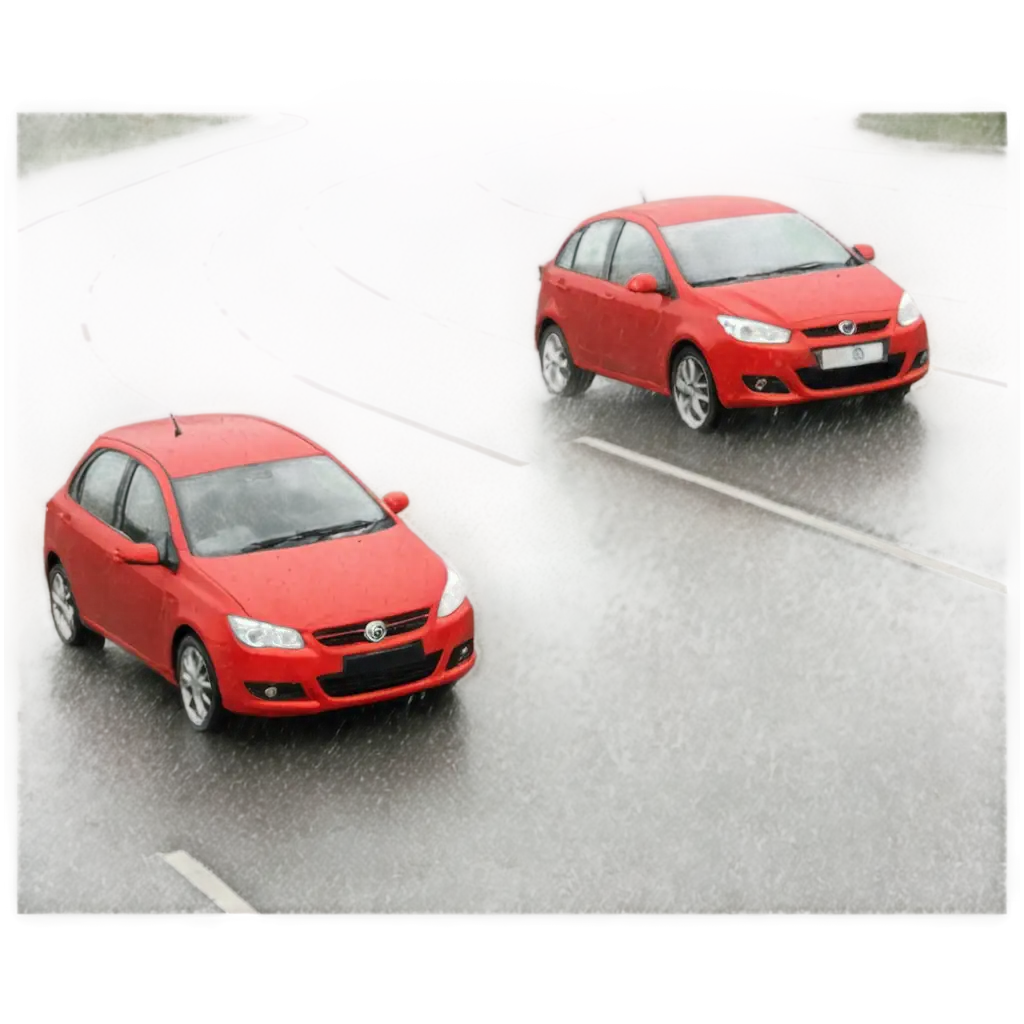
[(683, 703)]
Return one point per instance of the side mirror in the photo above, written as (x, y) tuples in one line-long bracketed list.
[(643, 283), (866, 252), (129, 553), (396, 501)]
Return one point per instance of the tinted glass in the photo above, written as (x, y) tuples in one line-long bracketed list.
[(98, 489), (757, 246), (145, 515), (233, 510), (565, 257), (636, 253), (592, 251)]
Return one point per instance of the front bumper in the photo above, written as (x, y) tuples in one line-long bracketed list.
[(237, 665), (795, 366)]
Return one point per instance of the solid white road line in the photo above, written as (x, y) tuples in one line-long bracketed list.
[(991, 381), (795, 515), (207, 883)]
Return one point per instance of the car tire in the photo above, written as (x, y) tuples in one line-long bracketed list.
[(197, 683), (562, 377), (65, 613), (693, 391), (895, 395)]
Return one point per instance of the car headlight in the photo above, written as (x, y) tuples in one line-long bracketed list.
[(454, 594), (908, 311), (753, 330), (253, 633)]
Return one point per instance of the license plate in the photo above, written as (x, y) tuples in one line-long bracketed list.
[(383, 661), (851, 355)]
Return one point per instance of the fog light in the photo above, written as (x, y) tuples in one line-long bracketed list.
[(766, 385), (920, 359), (460, 654), (276, 691)]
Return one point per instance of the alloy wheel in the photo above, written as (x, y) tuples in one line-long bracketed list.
[(691, 390), (555, 363), (196, 686)]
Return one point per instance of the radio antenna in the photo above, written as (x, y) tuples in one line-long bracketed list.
[(177, 429), (642, 196)]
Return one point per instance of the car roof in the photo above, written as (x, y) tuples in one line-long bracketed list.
[(693, 208), (212, 441)]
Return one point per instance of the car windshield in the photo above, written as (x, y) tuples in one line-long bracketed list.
[(763, 245), (273, 505)]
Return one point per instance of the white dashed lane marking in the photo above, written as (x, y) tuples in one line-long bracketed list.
[(207, 883)]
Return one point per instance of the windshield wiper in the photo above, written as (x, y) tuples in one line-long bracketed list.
[(774, 272), (813, 265), (318, 533)]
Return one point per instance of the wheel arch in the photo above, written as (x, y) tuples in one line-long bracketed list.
[(184, 630), (673, 353), (548, 321)]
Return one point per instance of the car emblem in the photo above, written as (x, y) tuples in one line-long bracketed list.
[(375, 631), (847, 327), (858, 354)]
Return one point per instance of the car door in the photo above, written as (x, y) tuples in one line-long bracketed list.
[(635, 321), (581, 292), (141, 594), (90, 536)]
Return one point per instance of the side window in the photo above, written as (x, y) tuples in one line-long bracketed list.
[(565, 257), (97, 488), (592, 251), (636, 253), (145, 515)]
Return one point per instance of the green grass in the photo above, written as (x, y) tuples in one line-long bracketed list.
[(978, 130), (48, 139)]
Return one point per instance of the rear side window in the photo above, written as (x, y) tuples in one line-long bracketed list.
[(636, 253), (98, 484), (145, 515), (592, 252), (565, 257)]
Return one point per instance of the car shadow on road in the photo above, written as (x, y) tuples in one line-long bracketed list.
[(820, 454), (96, 694)]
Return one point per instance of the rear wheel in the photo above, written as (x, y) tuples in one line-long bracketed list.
[(562, 376), (693, 391), (65, 613)]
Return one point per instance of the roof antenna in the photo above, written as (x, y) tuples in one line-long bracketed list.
[(642, 196), (177, 429)]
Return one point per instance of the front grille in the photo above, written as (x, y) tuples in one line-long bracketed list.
[(339, 636), (396, 667), (833, 329), (851, 376)]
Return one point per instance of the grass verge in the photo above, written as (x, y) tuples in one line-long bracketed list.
[(980, 130), (45, 139)]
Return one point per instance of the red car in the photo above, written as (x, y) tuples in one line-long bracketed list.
[(246, 565), (723, 302)]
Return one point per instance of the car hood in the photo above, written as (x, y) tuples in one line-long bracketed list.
[(804, 300), (334, 582)]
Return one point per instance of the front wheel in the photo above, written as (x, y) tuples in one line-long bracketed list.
[(895, 395), (693, 391), (197, 682), (562, 377)]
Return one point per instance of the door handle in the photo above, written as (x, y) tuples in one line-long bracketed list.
[(560, 283), (607, 295), (63, 516)]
